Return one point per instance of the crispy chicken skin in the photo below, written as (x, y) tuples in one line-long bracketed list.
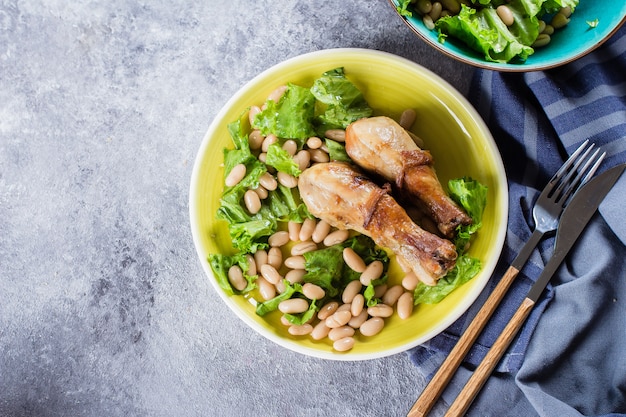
[(380, 145), (343, 197)]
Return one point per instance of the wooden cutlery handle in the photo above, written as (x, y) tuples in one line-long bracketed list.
[(482, 372), (441, 379)]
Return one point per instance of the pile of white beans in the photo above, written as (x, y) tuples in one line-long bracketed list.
[(431, 11), (337, 320)]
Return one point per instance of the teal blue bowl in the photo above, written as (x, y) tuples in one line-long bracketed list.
[(567, 44)]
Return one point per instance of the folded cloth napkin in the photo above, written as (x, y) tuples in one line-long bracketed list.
[(569, 359)]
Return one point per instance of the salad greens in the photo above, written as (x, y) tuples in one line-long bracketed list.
[(332, 102), (479, 26)]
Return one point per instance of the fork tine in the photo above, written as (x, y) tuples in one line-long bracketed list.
[(564, 168), (571, 170), (582, 175)]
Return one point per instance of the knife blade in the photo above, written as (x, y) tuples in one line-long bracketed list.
[(574, 219)]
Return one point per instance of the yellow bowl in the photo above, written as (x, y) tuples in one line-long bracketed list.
[(451, 129)]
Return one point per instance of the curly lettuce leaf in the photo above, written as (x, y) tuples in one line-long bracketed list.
[(337, 151), (280, 159), (465, 269), (290, 118), (485, 32), (403, 8), (344, 102)]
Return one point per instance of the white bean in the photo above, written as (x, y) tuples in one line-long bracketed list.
[(373, 271), (268, 181), (236, 278), (405, 305), (380, 310), (290, 146), (293, 306), (235, 175), (295, 275), (269, 140), (338, 135), (380, 290), (303, 247), (318, 155), (313, 292), (357, 321), (306, 231), (255, 139), (353, 260), (260, 257), (505, 14), (303, 159), (267, 290), (275, 257), (271, 274), (261, 192), (392, 294), (295, 262), (277, 93), (327, 310), (320, 331), (294, 230), (321, 231), (300, 329), (252, 201), (372, 326), (343, 345), (357, 305), (351, 290), (314, 142), (278, 239), (410, 281), (340, 332), (338, 319), (336, 237), (287, 180)]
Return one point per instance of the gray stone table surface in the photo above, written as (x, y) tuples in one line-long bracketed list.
[(104, 307)]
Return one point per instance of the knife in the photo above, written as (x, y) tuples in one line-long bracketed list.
[(575, 217)]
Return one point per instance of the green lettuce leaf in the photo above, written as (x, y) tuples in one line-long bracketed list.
[(485, 32), (344, 102), (280, 159), (471, 195), (403, 8), (337, 151), (290, 118), (465, 269)]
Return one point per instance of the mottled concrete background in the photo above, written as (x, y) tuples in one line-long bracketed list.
[(104, 308)]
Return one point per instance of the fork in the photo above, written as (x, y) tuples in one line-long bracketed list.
[(577, 170)]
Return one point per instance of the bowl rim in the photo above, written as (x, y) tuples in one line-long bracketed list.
[(504, 67), (488, 264)]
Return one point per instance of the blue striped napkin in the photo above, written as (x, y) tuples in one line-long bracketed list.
[(569, 358)]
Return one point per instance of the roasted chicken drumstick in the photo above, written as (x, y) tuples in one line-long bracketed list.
[(380, 145), (338, 194)]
